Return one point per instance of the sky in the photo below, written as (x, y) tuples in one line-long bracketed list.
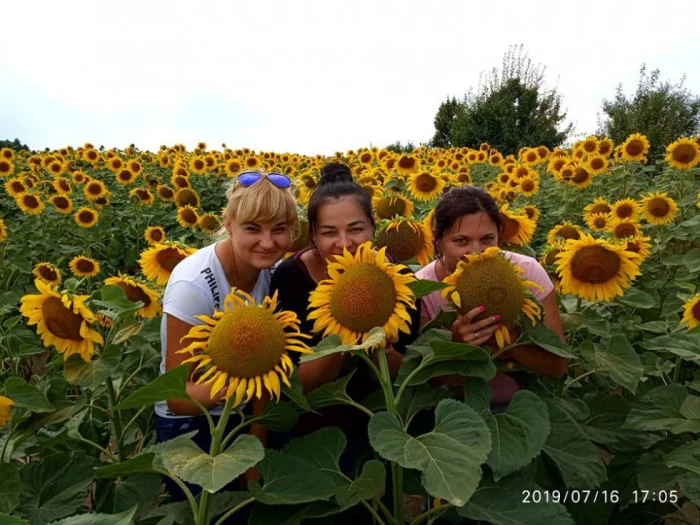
[(310, 76)]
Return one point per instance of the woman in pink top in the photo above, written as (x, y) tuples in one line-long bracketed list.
[(466, 221)]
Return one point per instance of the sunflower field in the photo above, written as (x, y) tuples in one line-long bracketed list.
[(89, 237)]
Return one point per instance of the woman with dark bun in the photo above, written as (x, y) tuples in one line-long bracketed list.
[(340, 216), (467, 221)]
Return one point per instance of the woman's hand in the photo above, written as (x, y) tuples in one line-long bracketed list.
[(492, 344), (474, 333)]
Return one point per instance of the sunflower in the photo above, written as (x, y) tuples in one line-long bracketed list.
[(7, 154), (82, 266), (599, 205), (158, 262), (6, 405), (605, 147), (624, 228), (91, 156), (48, 273), (86, 217), (566, 230), (556, 164), (691, 312), (340, 304), (103, 201), (15, 187), (165, 193), (407, 164), (142, 196), (580, 178), (596, 164), (252, 163), (209, 223), (136, 291), (462, 177), (532, 212), (79, 177), (683, 154), (3, 231), (658, 208), (551, 251), (62, 204), (597, 221), (425, 186), (186, 196), (198, 165), (233, 168), (531, 157), (639, 246), (154, 235), (180, 182), (115, 164), (94, 189), (516, 228), (590, 145), (62, 186), (30, 204), (244, 348), (390, 205), (625, 209), (528, 186), (56, 168), (405, 240), (595, 269), (490, 280), (125, 176), (63, 320), (187, 217), (635, 147)]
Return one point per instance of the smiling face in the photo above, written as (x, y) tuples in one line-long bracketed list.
[(470, 234), (260, 244), (341, 224)]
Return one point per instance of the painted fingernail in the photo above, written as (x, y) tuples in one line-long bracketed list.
[(498, 326), (496, 317), (482, 308)]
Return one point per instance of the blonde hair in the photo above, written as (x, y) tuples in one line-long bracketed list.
[(260, 202)]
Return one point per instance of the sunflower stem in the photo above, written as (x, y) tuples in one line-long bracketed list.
[(235, 509), (677, 371), (577, 379), (116, 419), (431, 513)]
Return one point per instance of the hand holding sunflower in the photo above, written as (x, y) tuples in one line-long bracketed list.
[(475, 333)]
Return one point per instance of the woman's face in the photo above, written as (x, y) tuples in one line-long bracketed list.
[(341, 224), (260, 244), (470, 234)]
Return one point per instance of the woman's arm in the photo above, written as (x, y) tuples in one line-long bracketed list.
[(176, 329)]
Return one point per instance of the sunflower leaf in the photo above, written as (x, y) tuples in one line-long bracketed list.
[(93, 373), (279, 417), (545, 338), (27, 396), (450, 457), (441, 320), (622, 362), (9, 488), (691, 259), (667, 407), (637, 298), (123, 518), (686, 457), (423, 287), (171, 385), (687, 346), (140, 464), (330, 394), (332, 345)]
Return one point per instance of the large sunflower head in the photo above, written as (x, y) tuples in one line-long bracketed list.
[(15, 187), (597, 221), (599, 205), (209, 223), (683, 153), (154, 235), (136, 291), (187, 217), (158, 262), (94, 189), (516, 228), (86, 217), (605, 147), (125, 176), (635, 147), (624, 228), (658, 208), (47, 273), (551, 251), (82, 266), (390, 205), (639, 246), (407, 164), (339, 303), (490, 280), (625, 209), (581, 177), (691, 312), (595, 269), (185, 197), (407, 239), (244, 348), (63, 320), (30, 203), (566, 230), (425, 185)]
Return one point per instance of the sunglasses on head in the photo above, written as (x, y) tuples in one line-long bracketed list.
[(251, 177)]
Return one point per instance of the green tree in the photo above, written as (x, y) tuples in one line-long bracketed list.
[(13, 144), (510, 109), (397, 147), (660, 110)]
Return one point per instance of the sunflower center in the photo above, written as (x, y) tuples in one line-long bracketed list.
[(580, 175), (528, 185), (596, 163), (86, 216), (658, 207), (426, 183), (189, 216), (48, 273), (403, 243), (31, 201), (134, 293), (624, 211), (185, 197), (406, 162), (169, 258), (633, 246), (600, 208), (60, 202), (391, 206), (625, 230), (594, 264), (568, 232), (695, 311), (156, 235), (246, 342), (684, 153), (94, 189), (85, 266), (60, 321), (600, 222), (363, 297), (635, 147), (511, 227)]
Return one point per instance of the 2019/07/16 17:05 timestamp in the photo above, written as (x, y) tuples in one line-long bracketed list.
[(593, 496)]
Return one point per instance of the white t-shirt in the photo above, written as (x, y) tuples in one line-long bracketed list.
[(197, 286)]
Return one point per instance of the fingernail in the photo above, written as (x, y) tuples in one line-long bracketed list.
[(482, 308), (496, 317), (498, 326)]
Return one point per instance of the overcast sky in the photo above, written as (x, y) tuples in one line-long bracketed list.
[(309, 77)]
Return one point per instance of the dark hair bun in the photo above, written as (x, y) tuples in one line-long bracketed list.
[(335, 173)]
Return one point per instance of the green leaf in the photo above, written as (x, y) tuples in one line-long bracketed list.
[(279, 417), (332, 345), (92, 374), (637, 298), (518, 434), (655, 327), (690, 485), (123, 518), (54, 487), (687, 346), (187, 461), (63, 410), (120, 494), (27, 396), (171, 385), (545, 338), (295, 392), (433, 354), (691, 259), (421, 397), (571, 452), (440, 321), (140, 464), (423, 287), (686, 457), (667, 407), (622, 363), (477, 394), (504, 503), (289, 480), (12, 520), (604, 426), (114, 298), (450, 457), (330, 393), (9, 488), (125, 333)]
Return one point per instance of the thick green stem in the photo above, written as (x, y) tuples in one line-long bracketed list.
[(377, 517), (432, 513), (385, 511), (235, 509), (577, 379), (183, 487), (677, 370), (116, 418)]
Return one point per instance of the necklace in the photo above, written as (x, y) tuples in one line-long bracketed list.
[(233, 265)]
